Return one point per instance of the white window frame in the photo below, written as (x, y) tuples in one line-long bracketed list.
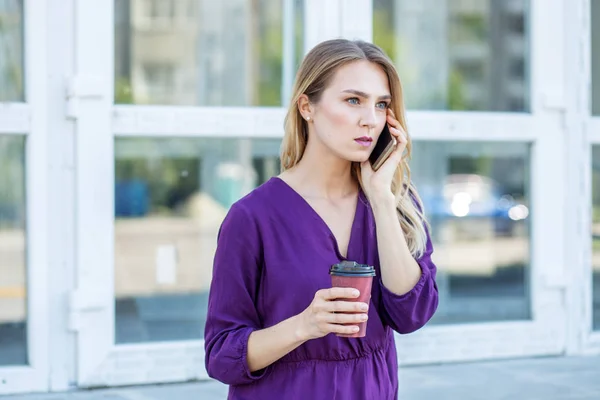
[(91, 305), (91, 315), (584, 132), (543, 130), (18, 119)]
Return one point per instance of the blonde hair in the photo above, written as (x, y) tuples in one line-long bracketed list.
[(313, 77)]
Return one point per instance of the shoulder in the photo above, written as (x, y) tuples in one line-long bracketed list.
[(252, 208)]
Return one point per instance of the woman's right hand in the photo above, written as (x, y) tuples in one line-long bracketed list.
[(326, 314)]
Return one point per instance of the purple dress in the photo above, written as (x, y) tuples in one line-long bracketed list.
[(273, 254)]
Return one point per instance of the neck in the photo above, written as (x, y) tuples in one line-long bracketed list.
[(323, 174)]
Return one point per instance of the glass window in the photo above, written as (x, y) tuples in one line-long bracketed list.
[(476, 198), (158, 12), (458, 54), (13, 293), (595, 32), (171, 196), (11, 50), (202, 52), (596, 237)]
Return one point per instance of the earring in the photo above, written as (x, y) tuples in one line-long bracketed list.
[(308, 118)]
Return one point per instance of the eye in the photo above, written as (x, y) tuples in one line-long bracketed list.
[(353, 100), (383, 105)]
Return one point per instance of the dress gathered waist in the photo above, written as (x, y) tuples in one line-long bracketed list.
[(367, 353)]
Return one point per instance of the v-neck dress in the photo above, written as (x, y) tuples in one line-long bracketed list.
[(273, 254)]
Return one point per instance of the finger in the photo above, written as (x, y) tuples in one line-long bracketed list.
[(401, 143), (342, 329), (398, 131), (346, 318), (397, 134), (396, 155), (393, 122), (338, 293), (346, 306)]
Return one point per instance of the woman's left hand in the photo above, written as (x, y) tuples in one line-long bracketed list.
[(377, 184)]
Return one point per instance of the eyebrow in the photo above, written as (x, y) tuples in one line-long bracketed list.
[(365, 95)]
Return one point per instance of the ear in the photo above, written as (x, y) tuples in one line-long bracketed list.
[(305, 107)]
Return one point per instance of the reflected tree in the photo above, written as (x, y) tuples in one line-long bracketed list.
[(12, 181), (11, 41)]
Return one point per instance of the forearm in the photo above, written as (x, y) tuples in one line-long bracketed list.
[(399, 270), (268, 345)]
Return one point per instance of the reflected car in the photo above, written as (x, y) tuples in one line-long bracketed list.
[(472, 196)]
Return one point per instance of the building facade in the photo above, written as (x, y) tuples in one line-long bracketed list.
[(129, 127)]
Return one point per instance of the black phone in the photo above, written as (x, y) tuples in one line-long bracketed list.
[(386, 143)]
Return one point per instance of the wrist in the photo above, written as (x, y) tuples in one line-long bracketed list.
[(383, 201), (298, 330)]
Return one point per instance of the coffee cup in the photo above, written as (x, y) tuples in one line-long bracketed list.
[(350, 274)]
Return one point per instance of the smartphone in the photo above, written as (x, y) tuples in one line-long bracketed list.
[(386, 143)]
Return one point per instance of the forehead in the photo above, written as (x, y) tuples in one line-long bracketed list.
[(364, 76)]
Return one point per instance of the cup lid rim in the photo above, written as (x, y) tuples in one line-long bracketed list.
[(352, 268)]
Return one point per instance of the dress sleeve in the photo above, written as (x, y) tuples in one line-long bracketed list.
[(232, 315), (411, 311)]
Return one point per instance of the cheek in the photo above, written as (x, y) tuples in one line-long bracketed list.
[(338, 118)]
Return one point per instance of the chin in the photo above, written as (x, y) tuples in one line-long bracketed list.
[(360, 157), (354, 155)]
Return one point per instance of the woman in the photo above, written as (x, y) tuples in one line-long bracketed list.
[(272, 314)]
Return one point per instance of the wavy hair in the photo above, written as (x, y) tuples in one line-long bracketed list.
[(316, 72)]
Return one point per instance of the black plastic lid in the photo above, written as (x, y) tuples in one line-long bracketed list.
[(352, 268)]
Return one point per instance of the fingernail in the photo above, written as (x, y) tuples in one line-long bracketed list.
[(364, 307), (356, 293)]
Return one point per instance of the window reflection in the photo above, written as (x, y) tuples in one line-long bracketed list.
[(202, 52), (596, 237), (171, 196), (458, 54), (476, 197), (11, 50), (13, 272)]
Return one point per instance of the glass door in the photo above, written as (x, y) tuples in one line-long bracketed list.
[(193, 123), (23, 205), (487, 134), (179, 112)]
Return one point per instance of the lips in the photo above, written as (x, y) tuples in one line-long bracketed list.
[(364, 141)]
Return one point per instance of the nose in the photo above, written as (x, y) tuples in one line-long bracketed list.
[(369, 118)]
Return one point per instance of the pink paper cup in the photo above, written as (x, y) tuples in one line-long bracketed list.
[(349, 274)]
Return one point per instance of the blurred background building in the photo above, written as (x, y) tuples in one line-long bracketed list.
[(129, 127)]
